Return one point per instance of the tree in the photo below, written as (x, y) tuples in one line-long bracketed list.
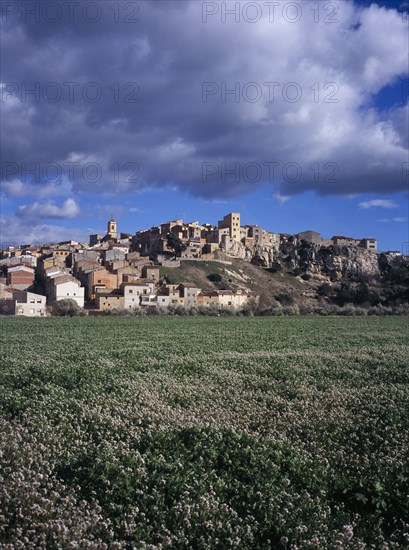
[(344, 295), (364, 295), (67, 307), (175, 244), (215, 278), (324, 290)]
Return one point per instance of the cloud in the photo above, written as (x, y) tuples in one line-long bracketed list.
[(282, 199), (397, 219), (68, 209), (19, 189), (378, 203), (15, 231), (172, 132)]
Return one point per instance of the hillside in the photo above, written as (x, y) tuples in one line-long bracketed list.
[(303, 275), (272, 287)]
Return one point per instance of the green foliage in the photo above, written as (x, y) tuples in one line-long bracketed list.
[(215, 278), (285, 299), (346, 294), (325, 290), (175, 244), (365, 296), (67, 307), (204, 485), (275, 268), (205, 432)]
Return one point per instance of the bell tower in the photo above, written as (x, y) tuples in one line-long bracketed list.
[(111, 229)]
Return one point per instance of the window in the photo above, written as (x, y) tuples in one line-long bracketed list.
[(32, 301), (38, 301), (130, 291)]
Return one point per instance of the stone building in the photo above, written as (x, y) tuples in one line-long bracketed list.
[(232, 223), (20, 276), (111, 229), (21, 302), (108, 300)]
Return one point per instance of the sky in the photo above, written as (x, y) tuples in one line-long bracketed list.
[(294, 114)]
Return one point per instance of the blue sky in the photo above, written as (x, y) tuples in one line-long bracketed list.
[(152, 152)]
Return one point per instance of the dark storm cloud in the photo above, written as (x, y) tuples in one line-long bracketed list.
[(165, 113)]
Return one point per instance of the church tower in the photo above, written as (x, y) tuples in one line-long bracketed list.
[(111, 229)]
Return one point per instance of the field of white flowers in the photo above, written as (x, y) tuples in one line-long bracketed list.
[(204, 433)]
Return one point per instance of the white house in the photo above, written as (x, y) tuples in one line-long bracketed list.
[(137, 294), (21, 302), (66, 287)]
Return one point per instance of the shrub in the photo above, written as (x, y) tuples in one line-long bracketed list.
[(276, 267), (306, 309), (330, 309), (285, 299), (215, 278), (347, 309), (344, 295), (66, 308), (364, 295), (291, 310), (324, 290)]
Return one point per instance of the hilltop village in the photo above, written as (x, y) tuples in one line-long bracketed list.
[(121, 271)]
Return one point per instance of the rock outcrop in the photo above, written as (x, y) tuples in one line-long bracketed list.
[(312, 260)]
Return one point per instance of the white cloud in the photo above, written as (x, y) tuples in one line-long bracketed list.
[(68, 209), (282, 199), (15, 231), (19, 189), (398, 219), (378, 203)]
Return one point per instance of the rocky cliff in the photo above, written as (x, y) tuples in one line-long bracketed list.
[(326, 263)]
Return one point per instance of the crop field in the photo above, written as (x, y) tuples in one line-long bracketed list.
[(204, 432)]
